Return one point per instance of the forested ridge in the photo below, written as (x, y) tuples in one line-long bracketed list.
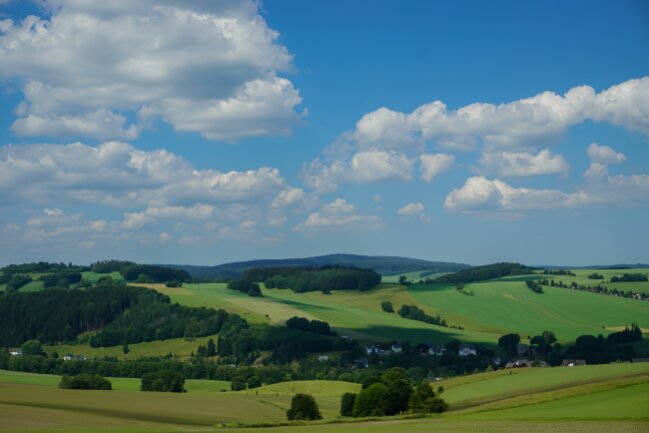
[(118, 313)]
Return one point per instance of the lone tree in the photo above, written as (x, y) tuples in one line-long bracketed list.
[(303, 407)]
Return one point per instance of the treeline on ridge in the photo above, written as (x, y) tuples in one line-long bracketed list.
[(310, 279), (142, 273), (487, 272)]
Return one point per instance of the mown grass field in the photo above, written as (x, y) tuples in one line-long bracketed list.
[(608, 398), (181, 347)]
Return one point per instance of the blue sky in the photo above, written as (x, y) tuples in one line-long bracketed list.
[(204, 132)]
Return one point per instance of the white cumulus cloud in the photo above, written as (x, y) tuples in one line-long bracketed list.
[(511, 164), (108, 69)]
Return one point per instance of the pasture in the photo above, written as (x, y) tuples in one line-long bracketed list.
[(180, 347)]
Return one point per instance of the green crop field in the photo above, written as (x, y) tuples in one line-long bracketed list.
[(530, 400), (507, 305), (181, 347), (496, 307), (357, 314)]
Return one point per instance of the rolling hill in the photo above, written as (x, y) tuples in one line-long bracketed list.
[(384, 265)]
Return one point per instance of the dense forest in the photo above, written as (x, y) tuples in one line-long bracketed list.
[(480, 273), (118, 313), (310, 279)]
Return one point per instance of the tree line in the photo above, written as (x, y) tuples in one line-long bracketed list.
[(309, 279), (480, 273)]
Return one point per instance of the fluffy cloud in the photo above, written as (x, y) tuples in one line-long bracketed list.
[(604, 154), (288, 197), (414, 210), (338, 215), (118, 174), (524, 163), (433, 164), (600, 158), (367, 166), (107, 71), (480, 193), (532, 120)]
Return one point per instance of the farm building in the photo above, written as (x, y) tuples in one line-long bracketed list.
[(467, 350)]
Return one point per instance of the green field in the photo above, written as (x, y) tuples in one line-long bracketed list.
[(180, 347), (496, 307), (507, 305), (582, 278), (607, 398)]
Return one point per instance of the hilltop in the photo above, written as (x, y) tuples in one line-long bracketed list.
[(384, 265)]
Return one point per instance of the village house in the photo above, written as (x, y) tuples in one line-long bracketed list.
[(522, 348), (467, 350), (323, 358), (573, 362), (15, 352), (71, 357), (396, 348), (437, 350)]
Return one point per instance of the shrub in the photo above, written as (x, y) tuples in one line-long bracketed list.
[(163, 381), (85, 381)]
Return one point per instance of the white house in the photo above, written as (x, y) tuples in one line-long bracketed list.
[(71, 357), (466, 350), (15, 352), (396, 348), (323, 358), (436, 350), (371, 349)]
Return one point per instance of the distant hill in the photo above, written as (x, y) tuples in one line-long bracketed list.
[(384, 265)]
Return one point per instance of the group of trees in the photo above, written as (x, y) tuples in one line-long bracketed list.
[(391, 394), (310, 279), (156, 274), (534, 286), (108, 266), (559, 272), (85, 381), (387, 307), (61, 279), (596, 276), (480, 273), (208, 350), (244, 286), (629, 278), (163, 381), (304, 324), (16, 281), (415, 313)]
